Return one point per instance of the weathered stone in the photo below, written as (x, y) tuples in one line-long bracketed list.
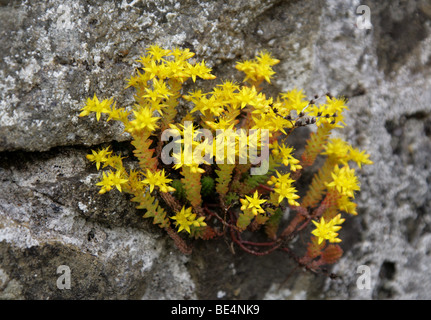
[(55, 54)]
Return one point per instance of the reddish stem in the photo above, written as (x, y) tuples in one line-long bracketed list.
[(237, 239), (214, 214), (292, 225), (303, 215), (258, 244), (262, 186), (256, 253)]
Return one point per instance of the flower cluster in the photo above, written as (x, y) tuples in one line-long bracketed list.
[(259, 69), (111, 180), (283, 187), (230, 166), (94, 105), (158, 179), (344, 180), (328, 230), (185, 219), (253, 204)]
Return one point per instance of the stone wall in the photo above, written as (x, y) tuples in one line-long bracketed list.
[(57, 53)]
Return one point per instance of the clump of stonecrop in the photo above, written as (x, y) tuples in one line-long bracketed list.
[(221, 195)]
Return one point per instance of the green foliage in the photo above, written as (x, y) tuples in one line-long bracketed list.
[(231, 197), (179, 193), (208, 186), (192, 186), (271, 227), (244, 220), (153, 210), (224, 176)]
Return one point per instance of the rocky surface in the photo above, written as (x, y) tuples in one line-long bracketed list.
[(55, 54)]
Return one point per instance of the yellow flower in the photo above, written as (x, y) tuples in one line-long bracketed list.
[(258, 69), (119, 114), (283, 187), (199, 70), (187, 161), (279, 123), (253, 203), (158, 179), (222, 123), (160, 91), (226, 90), (182, 54), (344, 204), (99, 156), (280, 180), (203, 104), (344, 180), (262, 122), (360, 157), (194, 96), (265, 58), (152, 69), (295, 100), (175, 69), (288, 159), (330, 112), (111, 180), (185, 218), (246, 96), (328, 230), (157, 53), (337, 149), (139, 78), (289, 194), (135, 180), (144, 119), (94, 105), (248, 67), (115, 161)]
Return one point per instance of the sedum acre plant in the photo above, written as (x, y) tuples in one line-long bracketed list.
[(225, 168)]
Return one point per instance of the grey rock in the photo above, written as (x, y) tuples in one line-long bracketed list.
[(55, 54)]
